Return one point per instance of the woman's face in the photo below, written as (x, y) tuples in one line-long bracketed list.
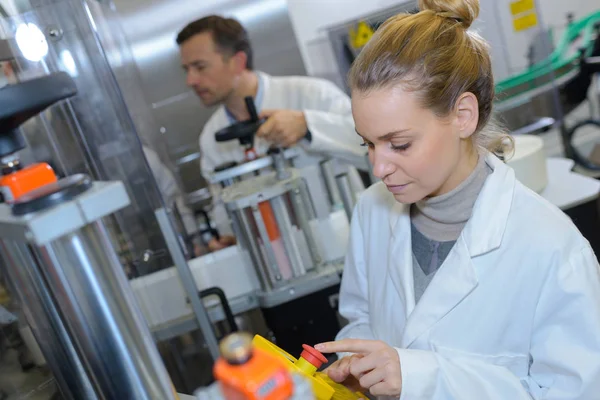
[(413, 151)]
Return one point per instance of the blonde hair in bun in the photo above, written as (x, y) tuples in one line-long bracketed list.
[(463, 11), (433, 54)]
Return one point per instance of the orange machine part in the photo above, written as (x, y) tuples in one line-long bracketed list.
[(24, 181), (270, 222), (265, 207), (262, 377)]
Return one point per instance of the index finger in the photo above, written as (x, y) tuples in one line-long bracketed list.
[(266, 113), (358, 346), (265, 128)]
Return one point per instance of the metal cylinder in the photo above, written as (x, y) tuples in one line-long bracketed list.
[(343, 183), (241, 225), (99, 310), (327, 170), (282, 216), (280, 165), (303, 210), (232, 173), (45, 321)]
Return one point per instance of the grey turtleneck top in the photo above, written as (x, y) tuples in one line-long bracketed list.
[(437, 223)]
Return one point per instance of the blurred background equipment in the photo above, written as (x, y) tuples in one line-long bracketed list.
[(150, 28), (64, 270)]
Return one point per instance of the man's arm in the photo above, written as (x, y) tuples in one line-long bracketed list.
[(331, 125), (208, 162), (321, 122)]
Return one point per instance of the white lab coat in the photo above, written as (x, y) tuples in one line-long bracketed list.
[(513, 312), (328, 115)]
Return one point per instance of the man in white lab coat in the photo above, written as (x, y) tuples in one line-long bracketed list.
[(311, 113)]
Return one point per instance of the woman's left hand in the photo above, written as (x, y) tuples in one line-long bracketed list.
[(378, 370)]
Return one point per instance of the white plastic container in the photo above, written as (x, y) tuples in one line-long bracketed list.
[(161, 296), (529, 162), (332, 235)]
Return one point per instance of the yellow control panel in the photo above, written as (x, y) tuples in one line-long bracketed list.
[(307, 365)]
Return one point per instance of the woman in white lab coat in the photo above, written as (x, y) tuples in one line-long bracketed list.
[(460, 283)]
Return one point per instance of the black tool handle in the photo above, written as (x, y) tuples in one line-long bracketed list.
[(251, 108)]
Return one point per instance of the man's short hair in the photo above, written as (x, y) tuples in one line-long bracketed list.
[(228, 34)]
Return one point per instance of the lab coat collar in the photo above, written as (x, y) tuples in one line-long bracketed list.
[(457, 276), (491, 210), (258, 99)]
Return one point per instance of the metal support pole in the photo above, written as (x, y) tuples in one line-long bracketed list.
[(188, 282), (347, 196), (287, 234), (101, 314), (302, 218), (306, 198), (273, 267), (279, 163), (45, 321), (244, 233), (328, 174)]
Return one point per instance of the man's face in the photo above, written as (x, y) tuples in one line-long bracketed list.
[(211, 74)]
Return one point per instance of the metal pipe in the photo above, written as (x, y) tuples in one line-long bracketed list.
[(593, 60), (595, 100), (306, 198), (245, 234), (328, 174), (101, 314), (279, 164), (273, 267), (287, 234), (45, 321), (188, 282), (539, 126), (301, 218), (347, 196)]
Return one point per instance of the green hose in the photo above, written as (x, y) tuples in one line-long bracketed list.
[(556, 64)]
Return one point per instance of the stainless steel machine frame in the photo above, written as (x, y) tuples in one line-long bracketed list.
[(95, 133), (234, 174), (290, 201), (330, 192), (335, 197), (83, 314), (346, 193)]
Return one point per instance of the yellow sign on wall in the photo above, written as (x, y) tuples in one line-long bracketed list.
[(524, 14), (525, 22), (521, 6), (361, 35)]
